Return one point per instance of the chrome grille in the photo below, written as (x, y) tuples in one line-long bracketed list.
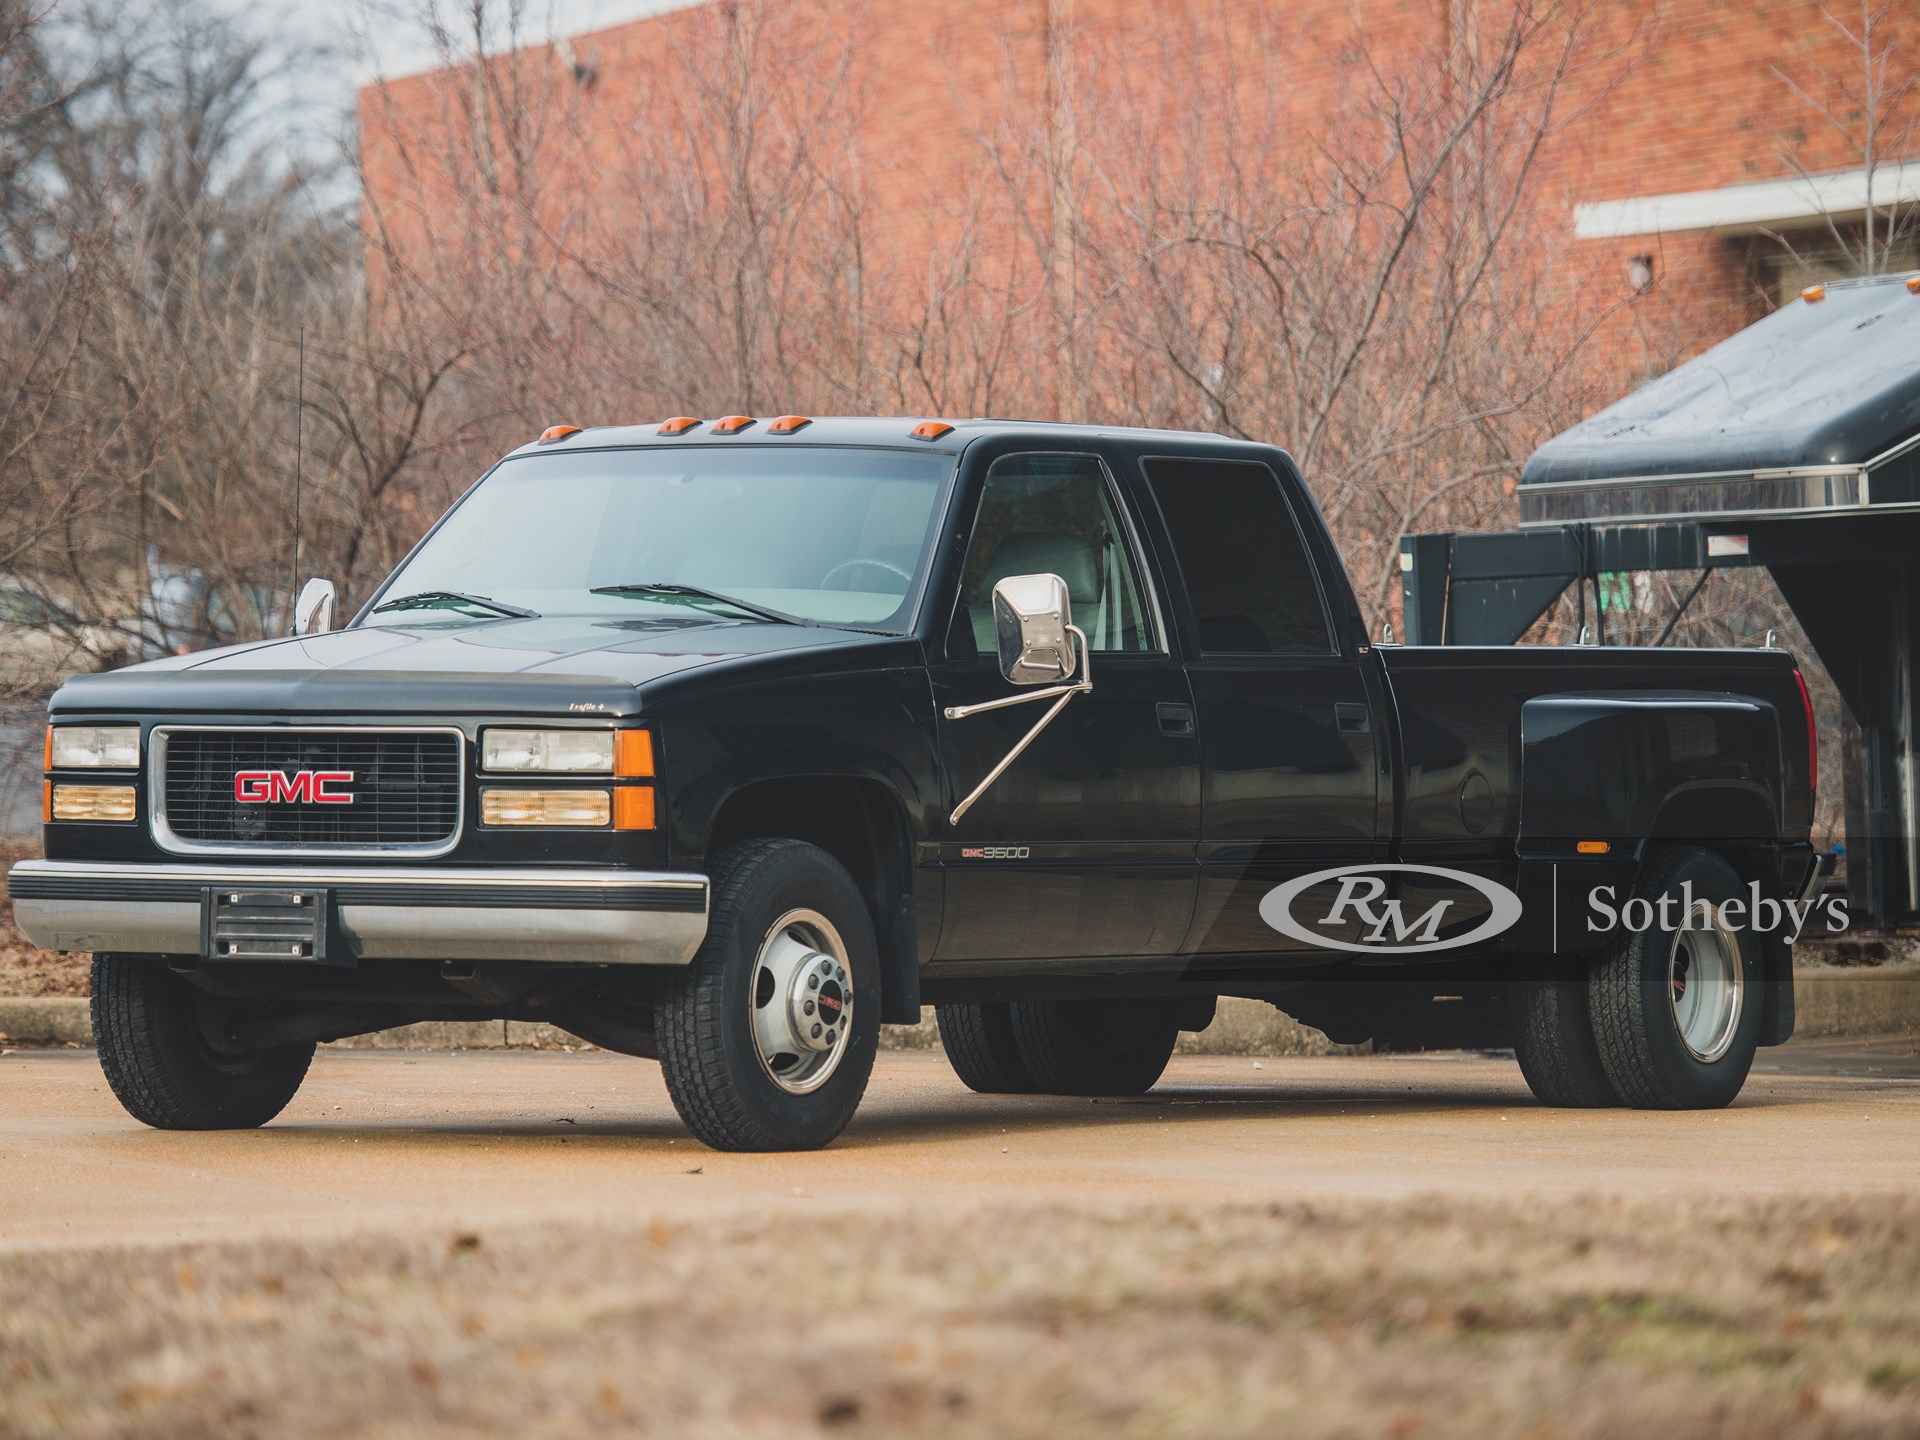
[(406, 789)]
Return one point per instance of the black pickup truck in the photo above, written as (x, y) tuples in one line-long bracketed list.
[(708, 742)]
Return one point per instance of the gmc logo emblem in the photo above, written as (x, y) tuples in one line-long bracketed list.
[(302, 787)]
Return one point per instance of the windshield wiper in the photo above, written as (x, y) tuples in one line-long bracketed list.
[(694, 592), (426, 599)]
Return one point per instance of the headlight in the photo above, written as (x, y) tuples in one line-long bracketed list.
[(93, 747), (547, 752)]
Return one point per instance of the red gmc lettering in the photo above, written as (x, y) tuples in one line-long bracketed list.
[(302, 787)]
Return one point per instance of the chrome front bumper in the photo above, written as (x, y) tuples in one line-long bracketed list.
[(594, 917)]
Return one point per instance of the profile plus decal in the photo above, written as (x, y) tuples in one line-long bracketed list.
[(1385, 926)]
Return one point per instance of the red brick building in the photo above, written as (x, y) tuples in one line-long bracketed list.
[(1689, 128)]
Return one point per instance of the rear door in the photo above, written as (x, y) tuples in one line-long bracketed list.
[(1085, 846), (1290, 754)]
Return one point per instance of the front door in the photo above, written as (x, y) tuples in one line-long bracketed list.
[(1293, 763), (1085, 846)]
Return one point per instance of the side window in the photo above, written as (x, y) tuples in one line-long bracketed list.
[(1242, 556), (1055, 513)]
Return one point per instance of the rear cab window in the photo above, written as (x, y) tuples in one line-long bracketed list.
[(1250, 582)]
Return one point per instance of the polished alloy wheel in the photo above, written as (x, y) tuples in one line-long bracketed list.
[(802, 999), (1706, 988)]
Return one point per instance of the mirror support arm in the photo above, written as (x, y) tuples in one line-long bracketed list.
[(1059, 694)]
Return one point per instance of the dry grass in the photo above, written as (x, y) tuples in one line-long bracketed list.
[(1752, 1318)]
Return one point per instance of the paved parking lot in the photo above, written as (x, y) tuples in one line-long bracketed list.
[(414, 1138), (526, 1242)]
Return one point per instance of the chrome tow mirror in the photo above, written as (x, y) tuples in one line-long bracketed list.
[(1031, 617), (1038, 643), (313, 611)]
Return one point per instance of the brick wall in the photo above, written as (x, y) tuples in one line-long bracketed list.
[(1703, 103)]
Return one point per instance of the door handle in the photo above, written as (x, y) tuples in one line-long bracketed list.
[(1175, 719), (1351, 718)]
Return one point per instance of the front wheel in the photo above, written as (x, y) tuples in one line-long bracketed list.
[(767, 1038), (167, 1050), (1676, 1012)]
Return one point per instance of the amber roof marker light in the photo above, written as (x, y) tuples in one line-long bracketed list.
[(1814, 294), (554, 434), (678, 425), (787, 424), (731, 424), (930, 430)]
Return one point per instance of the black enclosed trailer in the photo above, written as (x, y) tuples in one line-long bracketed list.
[(1795, 445)]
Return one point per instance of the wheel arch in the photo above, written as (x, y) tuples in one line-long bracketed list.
[(862, 824)]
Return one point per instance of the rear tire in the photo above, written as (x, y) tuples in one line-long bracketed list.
[(1677, 1013), (787, 930), (1552, 1032), (164, 1049), (981, 1047), (1095, 1047)]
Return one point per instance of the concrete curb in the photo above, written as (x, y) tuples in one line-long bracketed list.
[(1831, 1002)]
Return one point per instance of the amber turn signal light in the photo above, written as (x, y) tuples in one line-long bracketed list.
[(633, 807), (732, 424), (678, 425), (930, 430), (590, 809), (90, 802)]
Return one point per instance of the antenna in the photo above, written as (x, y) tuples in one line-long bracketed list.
[(299, 439)]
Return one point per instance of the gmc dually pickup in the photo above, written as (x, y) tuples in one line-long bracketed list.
[(709, 742)]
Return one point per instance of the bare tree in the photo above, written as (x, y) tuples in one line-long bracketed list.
[(1871, 106)]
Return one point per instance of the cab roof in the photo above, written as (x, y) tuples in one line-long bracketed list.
[(866, 430)]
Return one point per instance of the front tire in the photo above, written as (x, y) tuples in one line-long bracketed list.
[(165, 1048), (768, 1037), (1677, 1013), (1095, 1047)]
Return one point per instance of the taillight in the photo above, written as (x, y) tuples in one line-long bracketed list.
[(1813, 733)]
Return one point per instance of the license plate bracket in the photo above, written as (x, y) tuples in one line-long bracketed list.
[(281, 924)]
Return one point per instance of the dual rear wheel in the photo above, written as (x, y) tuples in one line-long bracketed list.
[(1059, 1047), (1662, 1019)]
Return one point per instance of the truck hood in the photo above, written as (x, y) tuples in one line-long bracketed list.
[(558, 665)]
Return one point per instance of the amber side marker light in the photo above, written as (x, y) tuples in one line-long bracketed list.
[(553, 434), (930, 430), (678, 425), (1593, 847), (787, 424), (633, 754), (732, 424), (1814, 294)]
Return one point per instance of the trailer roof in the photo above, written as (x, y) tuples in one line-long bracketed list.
[(1826, 390)]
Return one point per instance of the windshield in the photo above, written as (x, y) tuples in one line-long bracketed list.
[(819, 535)]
